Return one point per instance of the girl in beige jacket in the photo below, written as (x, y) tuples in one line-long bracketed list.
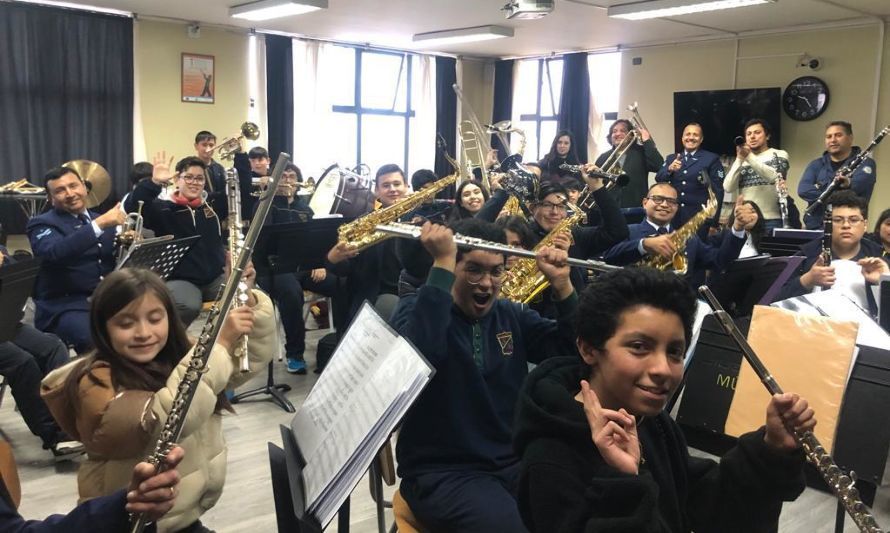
[(116, 400)]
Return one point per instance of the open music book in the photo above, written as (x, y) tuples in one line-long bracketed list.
[(370, 382)]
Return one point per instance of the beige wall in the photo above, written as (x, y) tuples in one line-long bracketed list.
[(849, 56), (168, 123)]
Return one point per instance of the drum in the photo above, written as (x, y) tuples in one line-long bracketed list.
[(343, 193)]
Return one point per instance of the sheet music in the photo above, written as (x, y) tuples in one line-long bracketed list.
[(838, 304), (365, 389)]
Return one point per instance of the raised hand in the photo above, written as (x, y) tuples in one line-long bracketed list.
[(162, 171), (785, 414), (562, 240), (676, 163), (745, 215), (113, 217), (439, 242), (613, 432), (872, 268), (553, 263)]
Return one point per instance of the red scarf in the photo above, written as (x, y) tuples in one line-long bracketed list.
[(179, 199)]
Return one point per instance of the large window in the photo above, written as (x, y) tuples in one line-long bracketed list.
[(372, 106), (605, 86)]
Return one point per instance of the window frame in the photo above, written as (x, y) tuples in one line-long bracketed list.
[(537, 117)]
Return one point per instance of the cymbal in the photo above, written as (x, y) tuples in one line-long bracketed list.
[(96, 177)]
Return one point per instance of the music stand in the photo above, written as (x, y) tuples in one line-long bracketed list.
[(295, 246), (16, 283), (785, 242), (884, 303), (751, 281), (161, 255)]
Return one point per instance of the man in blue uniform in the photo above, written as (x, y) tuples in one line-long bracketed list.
[(77, 248), (690, 173), (839, 150)]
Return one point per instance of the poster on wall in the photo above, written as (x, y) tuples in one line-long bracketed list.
[(198, 83)]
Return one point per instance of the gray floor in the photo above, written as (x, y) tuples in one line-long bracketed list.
[(246, 504)]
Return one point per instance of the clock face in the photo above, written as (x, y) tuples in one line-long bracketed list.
[(805, 98)]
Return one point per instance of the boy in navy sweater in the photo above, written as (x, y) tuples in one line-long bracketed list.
[(455, 457)]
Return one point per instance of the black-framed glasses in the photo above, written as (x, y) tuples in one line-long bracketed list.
[(852, 220), (474, 273), (548, 206), (658, 200), (190, 178)]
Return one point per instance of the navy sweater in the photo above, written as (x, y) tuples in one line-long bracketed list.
[(463, 419)]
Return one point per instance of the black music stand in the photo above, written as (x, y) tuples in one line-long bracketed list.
[(884, 303), (16, 283), (161, 255), (751, 281), (295, 246), (785, 242)]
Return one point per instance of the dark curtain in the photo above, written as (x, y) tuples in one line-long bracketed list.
[(574, 102), (280, 94), (66, 91), (446, 112), (503, 101)]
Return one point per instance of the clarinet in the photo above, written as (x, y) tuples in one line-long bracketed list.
[(197, 363), (782, 193), (236, 248), (828, 226), (847, 170), (843, 485), (408, 231)]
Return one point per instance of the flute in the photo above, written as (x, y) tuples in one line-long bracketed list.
[(407, 231), (843, 485)]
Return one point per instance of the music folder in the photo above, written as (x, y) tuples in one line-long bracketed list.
[(372, 379), (295, 246)]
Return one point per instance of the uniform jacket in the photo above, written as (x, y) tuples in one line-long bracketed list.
[(120, 428), (215, 186), (819, 173), (565, 486), (691, 182), (74, 261), (639, 161)]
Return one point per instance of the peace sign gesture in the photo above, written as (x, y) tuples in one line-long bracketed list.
[(613, 432)]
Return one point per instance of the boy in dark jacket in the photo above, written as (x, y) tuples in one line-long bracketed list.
[(599, 454)]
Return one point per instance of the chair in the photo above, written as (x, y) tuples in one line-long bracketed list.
[(405, 519), (315, 298)]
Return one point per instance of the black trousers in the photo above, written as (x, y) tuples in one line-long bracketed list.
[(24, 361), (287, 292)]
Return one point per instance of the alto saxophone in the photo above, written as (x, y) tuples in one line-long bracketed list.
[(677, 262), (236, 248)]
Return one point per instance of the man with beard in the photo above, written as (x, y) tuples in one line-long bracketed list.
[(455, 458)]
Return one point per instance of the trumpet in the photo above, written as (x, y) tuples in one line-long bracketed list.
[(637, 121), (130, 234), (287, 189), (228, 147)]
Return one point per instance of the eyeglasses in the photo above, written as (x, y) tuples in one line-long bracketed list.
[(658, 200), (547, 206), (475, 273), (853, 220), (188, 178)]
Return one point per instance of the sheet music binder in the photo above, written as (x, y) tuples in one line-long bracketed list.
[(16, 283), (161, 255), (295, 246)]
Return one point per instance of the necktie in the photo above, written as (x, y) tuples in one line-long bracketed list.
[(84, 219), (661, 231), (686, 157)]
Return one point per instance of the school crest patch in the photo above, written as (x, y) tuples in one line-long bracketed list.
[(505, 339)]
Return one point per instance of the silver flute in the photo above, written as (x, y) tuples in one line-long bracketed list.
[(843, 485), (197, 364), (236, 248), (408, 231)]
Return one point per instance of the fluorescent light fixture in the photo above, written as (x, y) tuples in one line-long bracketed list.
[(272, 9), (673, 8), (81, 7), (463, 35)]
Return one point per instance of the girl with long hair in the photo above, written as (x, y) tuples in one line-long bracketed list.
[(469, 199), (116, 399), (562, 151)]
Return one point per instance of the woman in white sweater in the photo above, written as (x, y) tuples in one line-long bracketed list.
[(758, 171)]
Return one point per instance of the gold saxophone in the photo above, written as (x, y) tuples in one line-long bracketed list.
[(362, 232), (677, 262), (524, 281)]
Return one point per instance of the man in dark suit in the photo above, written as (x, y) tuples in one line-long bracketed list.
[(77, 248), (637, 162), (654, 236), (690, 173)]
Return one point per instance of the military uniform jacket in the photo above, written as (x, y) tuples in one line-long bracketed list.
[(819, 173), (691, 181), (74, 261)]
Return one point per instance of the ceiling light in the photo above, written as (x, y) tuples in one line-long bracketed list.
[(271, 9), (673, 8), (82, 7), (463, 35)]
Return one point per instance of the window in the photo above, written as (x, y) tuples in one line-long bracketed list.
[(605, 86), (538, 88), (372, 106)]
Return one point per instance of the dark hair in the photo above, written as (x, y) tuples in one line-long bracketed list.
[(766, 128), (759, 229), (604, 300), (696, 124), (187, 162), (552, 159), (140, 171), (885, 214), (624, 121), (257, 152), (549, 187), (388, 169), (459, 210), (656, 184), (294, 168), (56, 173), (572, 184), (849, 198), (204, 135), (518, 225), (421, 178), (843, 124), (480, 229)]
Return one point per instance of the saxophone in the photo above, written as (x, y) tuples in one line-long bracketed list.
[(236, 248), (677, 262), (362, 232), (524, 281)]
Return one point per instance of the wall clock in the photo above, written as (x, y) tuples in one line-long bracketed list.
[(805, 98)]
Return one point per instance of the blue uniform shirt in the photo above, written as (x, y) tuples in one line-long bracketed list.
[(691, 181)]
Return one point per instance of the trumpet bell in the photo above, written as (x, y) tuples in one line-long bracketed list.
[(250, 131)]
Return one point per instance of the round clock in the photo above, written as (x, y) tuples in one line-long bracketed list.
[(805, 98)]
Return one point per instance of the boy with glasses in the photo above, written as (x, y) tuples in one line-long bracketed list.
[(455, 458), (654, 236), (857, 264)]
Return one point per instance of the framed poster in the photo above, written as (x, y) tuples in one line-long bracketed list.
[(198, 79)]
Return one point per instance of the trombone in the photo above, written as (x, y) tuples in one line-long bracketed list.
[(472, 135), (228, 147)]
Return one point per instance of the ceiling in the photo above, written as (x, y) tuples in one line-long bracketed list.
[(573, 25)]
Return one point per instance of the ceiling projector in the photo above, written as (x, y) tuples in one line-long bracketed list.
[(528, 9)]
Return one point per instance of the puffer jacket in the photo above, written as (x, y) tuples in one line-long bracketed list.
[(120, 428)]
